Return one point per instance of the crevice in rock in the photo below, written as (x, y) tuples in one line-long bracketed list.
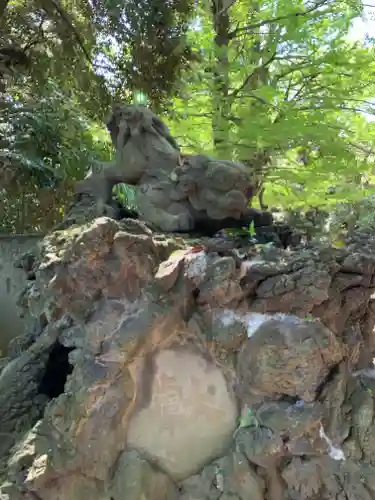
[(331, 375), (123, 212), (56, 372), (292, 400), (43, 321)]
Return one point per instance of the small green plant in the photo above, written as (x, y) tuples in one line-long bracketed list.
[(252, 230), (140, 98), (249, 231), (247, 420)]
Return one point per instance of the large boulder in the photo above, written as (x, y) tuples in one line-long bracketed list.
[(174, 368)]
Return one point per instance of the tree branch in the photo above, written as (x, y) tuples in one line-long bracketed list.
[(248, 78), (298, 67), (260, 99), (333, 108), (3, 8), (254, 26), (363, 149), (66, 20), (287, 91), (305, 81), (225, 9), (39, 31)]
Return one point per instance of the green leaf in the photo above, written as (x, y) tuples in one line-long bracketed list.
[(252, 230)]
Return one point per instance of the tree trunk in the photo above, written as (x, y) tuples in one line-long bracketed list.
[(261, 51), (3, 7), (220, 101)]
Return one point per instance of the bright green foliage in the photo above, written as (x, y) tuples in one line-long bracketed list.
[(273, 83), (125, 195), (295, 97)]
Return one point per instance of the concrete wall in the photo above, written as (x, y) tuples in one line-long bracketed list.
[(12, 282)]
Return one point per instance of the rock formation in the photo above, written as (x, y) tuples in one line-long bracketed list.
[(200, 367), (170, 368)]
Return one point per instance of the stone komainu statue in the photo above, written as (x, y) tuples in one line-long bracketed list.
[(175, 192)]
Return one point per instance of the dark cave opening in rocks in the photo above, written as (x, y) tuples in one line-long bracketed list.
[(56, 372)]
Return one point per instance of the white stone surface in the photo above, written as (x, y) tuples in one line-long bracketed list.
[(191, 417)]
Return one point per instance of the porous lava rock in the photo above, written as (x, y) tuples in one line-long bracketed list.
[(183, 368)]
